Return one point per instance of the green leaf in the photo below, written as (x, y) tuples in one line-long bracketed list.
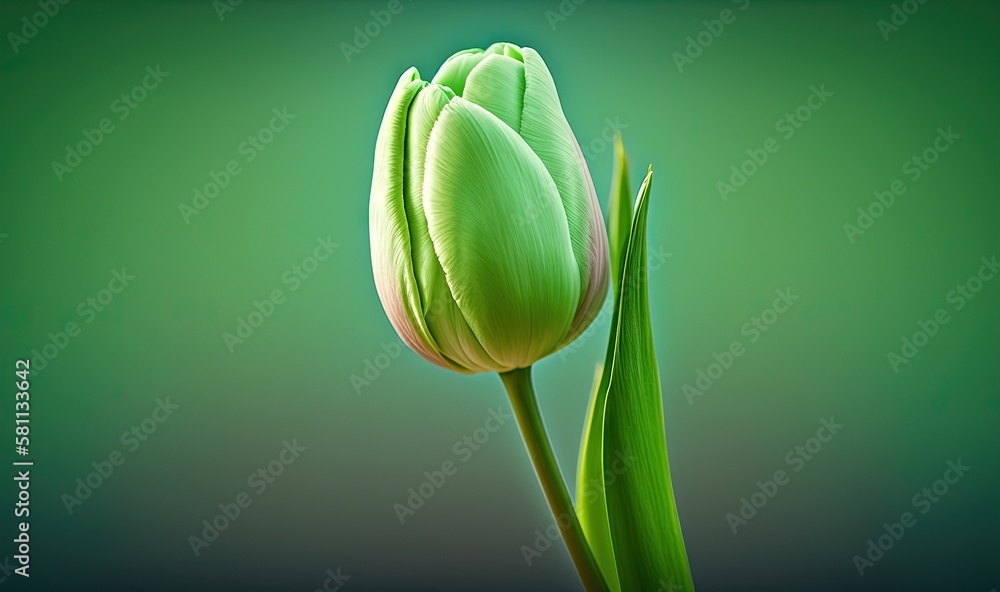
[(642, 514), (591, 502), (619, 209)]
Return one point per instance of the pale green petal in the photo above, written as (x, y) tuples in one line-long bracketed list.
[(455, 69), (546, 131), (595, 292), (455, 339), (500, 234), (390, 238), (508, 49), (497, 85)]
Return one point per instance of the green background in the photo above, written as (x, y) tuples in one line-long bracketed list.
[(721, 262)]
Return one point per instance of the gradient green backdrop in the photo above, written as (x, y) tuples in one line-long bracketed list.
[(720, 263)]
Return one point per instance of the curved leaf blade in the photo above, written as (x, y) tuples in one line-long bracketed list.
[(591, 504), (642, 514), (619, 210), (590, 497)]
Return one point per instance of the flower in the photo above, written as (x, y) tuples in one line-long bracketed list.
[(488, 245)]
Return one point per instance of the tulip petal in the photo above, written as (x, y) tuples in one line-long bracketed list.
[(500, 233), (455, 69), (497, 85), (389, 233), (444, 320), (546, 131), (595, 291), (508, 49)]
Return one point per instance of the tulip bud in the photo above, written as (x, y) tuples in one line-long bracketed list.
[(488, 244)]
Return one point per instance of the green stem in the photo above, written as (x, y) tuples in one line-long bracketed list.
[(522, 399)]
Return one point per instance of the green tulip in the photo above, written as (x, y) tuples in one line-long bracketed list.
[(488, 244)]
